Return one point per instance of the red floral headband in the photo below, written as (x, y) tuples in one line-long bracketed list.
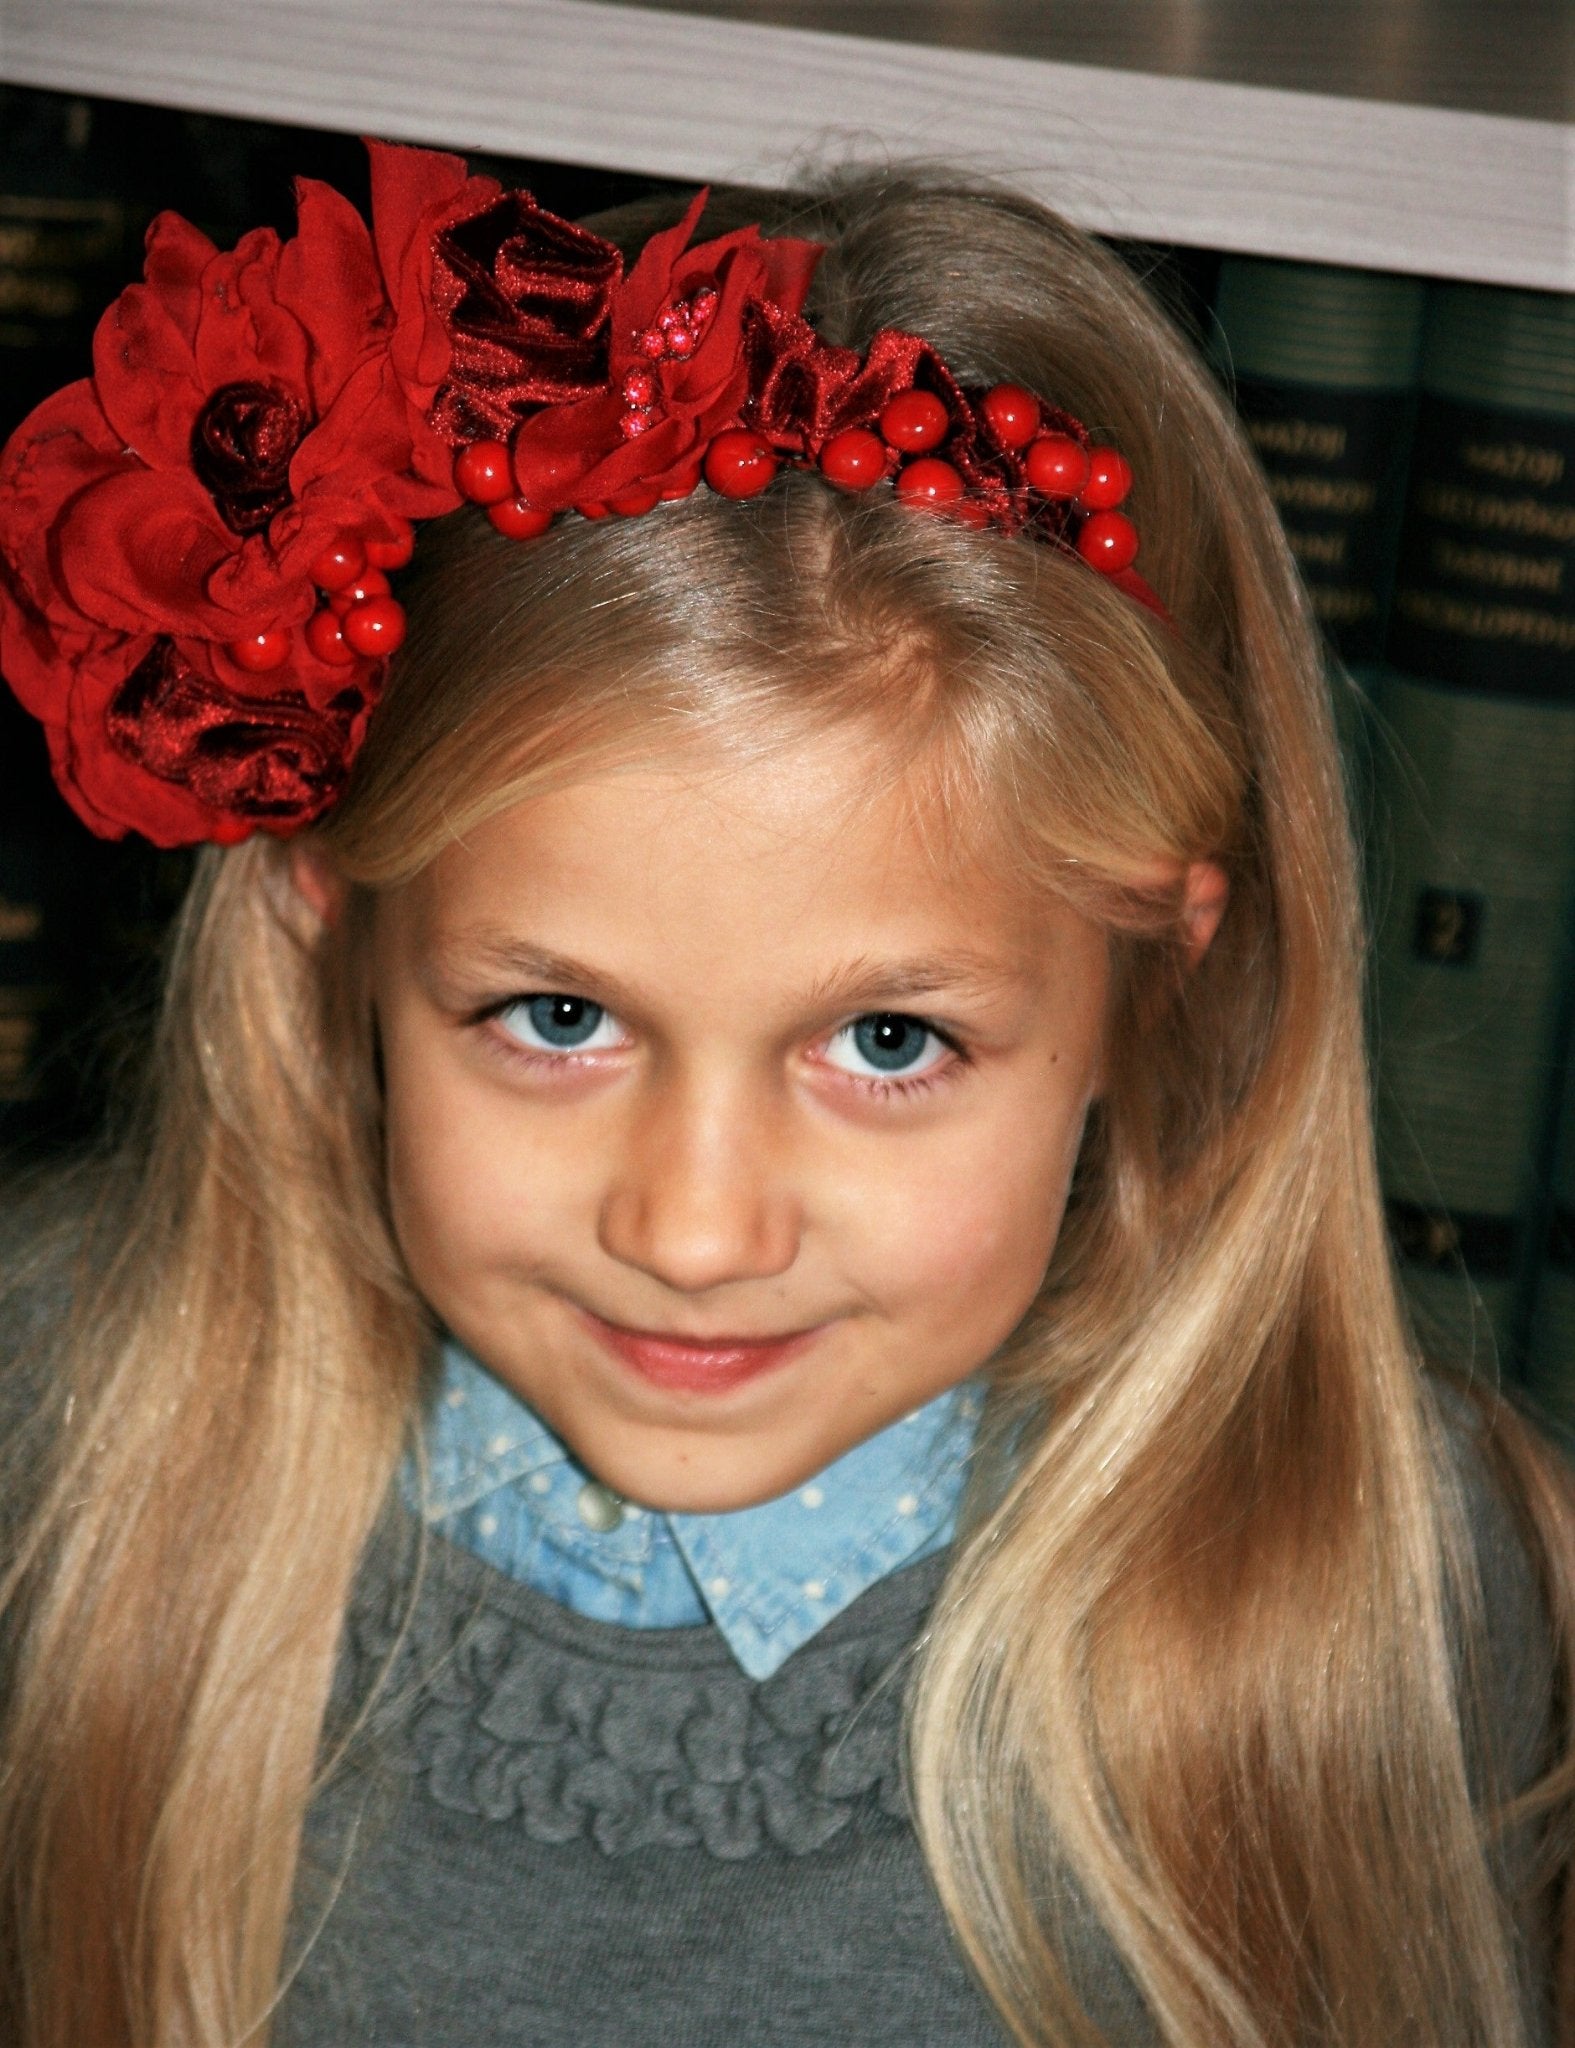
[(195, 542)]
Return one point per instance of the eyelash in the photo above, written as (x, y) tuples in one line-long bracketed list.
[(878, 1087)]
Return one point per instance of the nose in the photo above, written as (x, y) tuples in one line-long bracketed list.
[(702, 1193)]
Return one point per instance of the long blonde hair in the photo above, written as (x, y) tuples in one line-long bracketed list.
[(1196, 1657)]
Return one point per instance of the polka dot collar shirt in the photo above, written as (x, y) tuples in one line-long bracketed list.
[(502, 1485)]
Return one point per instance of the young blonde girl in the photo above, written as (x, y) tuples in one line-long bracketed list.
[(1237, 1716)]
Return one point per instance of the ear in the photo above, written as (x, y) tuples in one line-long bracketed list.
[(1202, 906), (318, 881)]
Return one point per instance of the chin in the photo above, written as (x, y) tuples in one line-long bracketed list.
[(684, 1481)]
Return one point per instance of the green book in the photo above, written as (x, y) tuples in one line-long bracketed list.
[(1550, 1357), (1474, 766), (1323, 364)]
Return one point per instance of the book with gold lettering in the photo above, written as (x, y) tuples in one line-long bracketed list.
[(1474, 771), (1323, 364)]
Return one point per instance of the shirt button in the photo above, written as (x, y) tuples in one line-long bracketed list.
[(599, 1507)]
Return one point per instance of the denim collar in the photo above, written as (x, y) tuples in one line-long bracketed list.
[(769, 1577)]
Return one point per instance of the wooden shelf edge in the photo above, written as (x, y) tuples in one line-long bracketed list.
[(1245, 168)]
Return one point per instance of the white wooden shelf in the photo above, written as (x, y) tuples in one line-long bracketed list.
[(1434, 136)]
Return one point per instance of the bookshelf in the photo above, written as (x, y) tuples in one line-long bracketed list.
[(1426, 136)]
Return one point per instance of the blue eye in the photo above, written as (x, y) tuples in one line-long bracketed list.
[(886, 1042), (560, 1024)]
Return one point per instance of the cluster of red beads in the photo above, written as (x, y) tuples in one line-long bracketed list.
[(672, 337), (359, 616), (1092, 481), (739, 463)]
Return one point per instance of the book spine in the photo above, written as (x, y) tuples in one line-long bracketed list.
[(1475, 774), (1323, 363), (64, 249), (1550, 1356)]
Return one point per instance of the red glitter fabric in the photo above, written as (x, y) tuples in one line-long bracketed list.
[(526, 299), (250, 759)]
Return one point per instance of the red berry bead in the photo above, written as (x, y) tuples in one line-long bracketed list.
[(681, 341), (325, 637), (483, 472), (1109, 480), (855, 459), (636, 421), (702, 306), (914, 421), (738, 464), (395, 551), (339, 565), (369, 584), (260, 652), (1057, 465), (519, 520), (591, 508), (639, 389), (652, 342), (1108, 542), (231, 831), (930, 483), (376, 627), (1011, 414)]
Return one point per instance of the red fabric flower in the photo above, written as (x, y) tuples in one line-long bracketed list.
[(525, 298), (242, 415), (583, 453), (169, 738)]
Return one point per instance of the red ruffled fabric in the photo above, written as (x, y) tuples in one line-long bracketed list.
[(244, 414)]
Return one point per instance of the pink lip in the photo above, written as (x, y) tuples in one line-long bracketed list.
[(682, 1366)]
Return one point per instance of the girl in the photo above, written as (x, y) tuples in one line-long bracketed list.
[(740, 1384)]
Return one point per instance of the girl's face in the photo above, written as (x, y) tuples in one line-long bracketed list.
[(730, 1109)]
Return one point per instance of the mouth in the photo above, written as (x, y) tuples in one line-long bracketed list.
[(710, 1365)]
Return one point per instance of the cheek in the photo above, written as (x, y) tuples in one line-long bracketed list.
[(964, 1242), (466, 1195)]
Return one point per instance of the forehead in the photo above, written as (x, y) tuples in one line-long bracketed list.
[(783, 870)]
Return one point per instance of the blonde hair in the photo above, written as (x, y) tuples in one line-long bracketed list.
[(1196, 1658)]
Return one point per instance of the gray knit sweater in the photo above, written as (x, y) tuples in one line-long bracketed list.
[(565, 1833)]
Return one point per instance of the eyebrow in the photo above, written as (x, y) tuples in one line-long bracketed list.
[(498, 957)]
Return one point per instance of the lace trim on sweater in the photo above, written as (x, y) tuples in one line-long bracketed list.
[(512, 1709)]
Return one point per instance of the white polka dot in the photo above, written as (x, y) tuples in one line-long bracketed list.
[(488, 1525), (812, 1496), (455, 1397), (632, 1514), (719, 1589), (540, 1482), (499, 1445), (814, 1590), (908, 1505)]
